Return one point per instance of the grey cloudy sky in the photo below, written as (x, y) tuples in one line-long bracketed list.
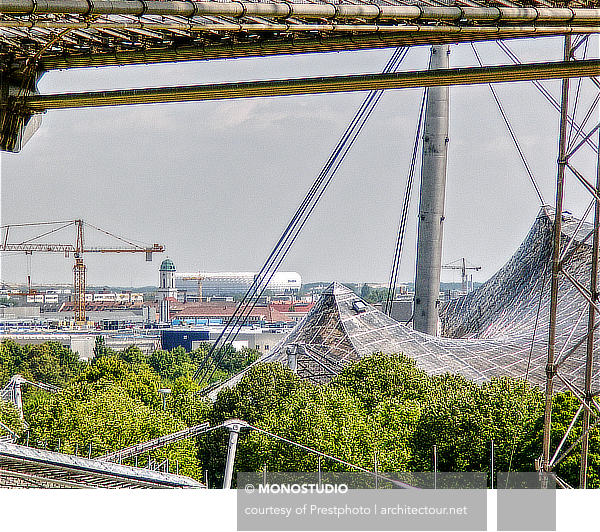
[(216, 182)]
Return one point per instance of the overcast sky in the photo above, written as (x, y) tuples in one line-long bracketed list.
[(216, 182)]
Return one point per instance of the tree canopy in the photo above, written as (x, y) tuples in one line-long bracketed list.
[(112, 401), (382, 407)]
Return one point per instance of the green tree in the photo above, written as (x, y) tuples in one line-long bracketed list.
[(329, 420), (7, 362), (234, 361), (173, 364), (258, 392), (133, 355), (104, 417), (564, 407), (452, 419), (462, 418), (510, 408), (394, 422), (9, 416), (187, 402), (380, 377), (50, 363), (365, 292), (138, 380), (100, 348), (382, 404)]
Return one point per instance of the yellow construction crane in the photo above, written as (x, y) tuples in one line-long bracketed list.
[(463, 267), (78, 249), (196, 277)]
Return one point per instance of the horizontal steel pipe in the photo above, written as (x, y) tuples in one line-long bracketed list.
[(252, 89), (296, 28), (284, 10)]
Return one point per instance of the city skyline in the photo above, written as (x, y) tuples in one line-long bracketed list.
[(216, 182)]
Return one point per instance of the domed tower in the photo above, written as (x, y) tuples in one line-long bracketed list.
[(166, 288)]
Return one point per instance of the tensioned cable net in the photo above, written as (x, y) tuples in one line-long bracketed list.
[(486, 333)]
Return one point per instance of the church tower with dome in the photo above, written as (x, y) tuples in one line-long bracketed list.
[(166, 288)]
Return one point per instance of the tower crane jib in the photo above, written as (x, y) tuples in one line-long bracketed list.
[(78, 250)]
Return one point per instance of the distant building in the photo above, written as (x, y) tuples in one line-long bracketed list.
[(262, 340), (194, 286), (56, 297), (293, 310), (188, 339), (105, 297), (83, 344), (217, 313), (19, 312), (167, 292)]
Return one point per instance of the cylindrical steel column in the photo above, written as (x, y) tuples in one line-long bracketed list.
[(292, 358), (234, 432), (431, 207)]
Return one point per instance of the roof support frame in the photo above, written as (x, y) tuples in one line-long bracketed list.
[(288, 87), (585, 396)]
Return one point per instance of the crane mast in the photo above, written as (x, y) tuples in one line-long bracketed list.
[(78, 250), (79, 277), (463, 271)]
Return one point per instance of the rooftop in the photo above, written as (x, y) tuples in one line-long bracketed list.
[(22, 466)]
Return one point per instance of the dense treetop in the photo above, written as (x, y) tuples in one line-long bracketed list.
[(381, 406)]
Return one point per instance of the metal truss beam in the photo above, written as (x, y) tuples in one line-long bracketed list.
[(590, 339), (70, 248), (52, 34), (566, 150), (48, 467), (285, 10), (298, 44), (251, 89), (156, 443), (577, 127)]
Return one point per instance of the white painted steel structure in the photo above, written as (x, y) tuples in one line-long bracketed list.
[(432, 202), (27, 467)]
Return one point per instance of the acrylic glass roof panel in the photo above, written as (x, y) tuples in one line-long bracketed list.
[(488, 333), (22, 466)]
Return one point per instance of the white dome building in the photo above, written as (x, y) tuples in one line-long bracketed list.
[(224, 284)]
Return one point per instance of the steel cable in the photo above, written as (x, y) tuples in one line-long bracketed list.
[(512, 133), (547, 94), (288, 237), (310, 202), (526, 376), (404, 216), (330, 457)]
